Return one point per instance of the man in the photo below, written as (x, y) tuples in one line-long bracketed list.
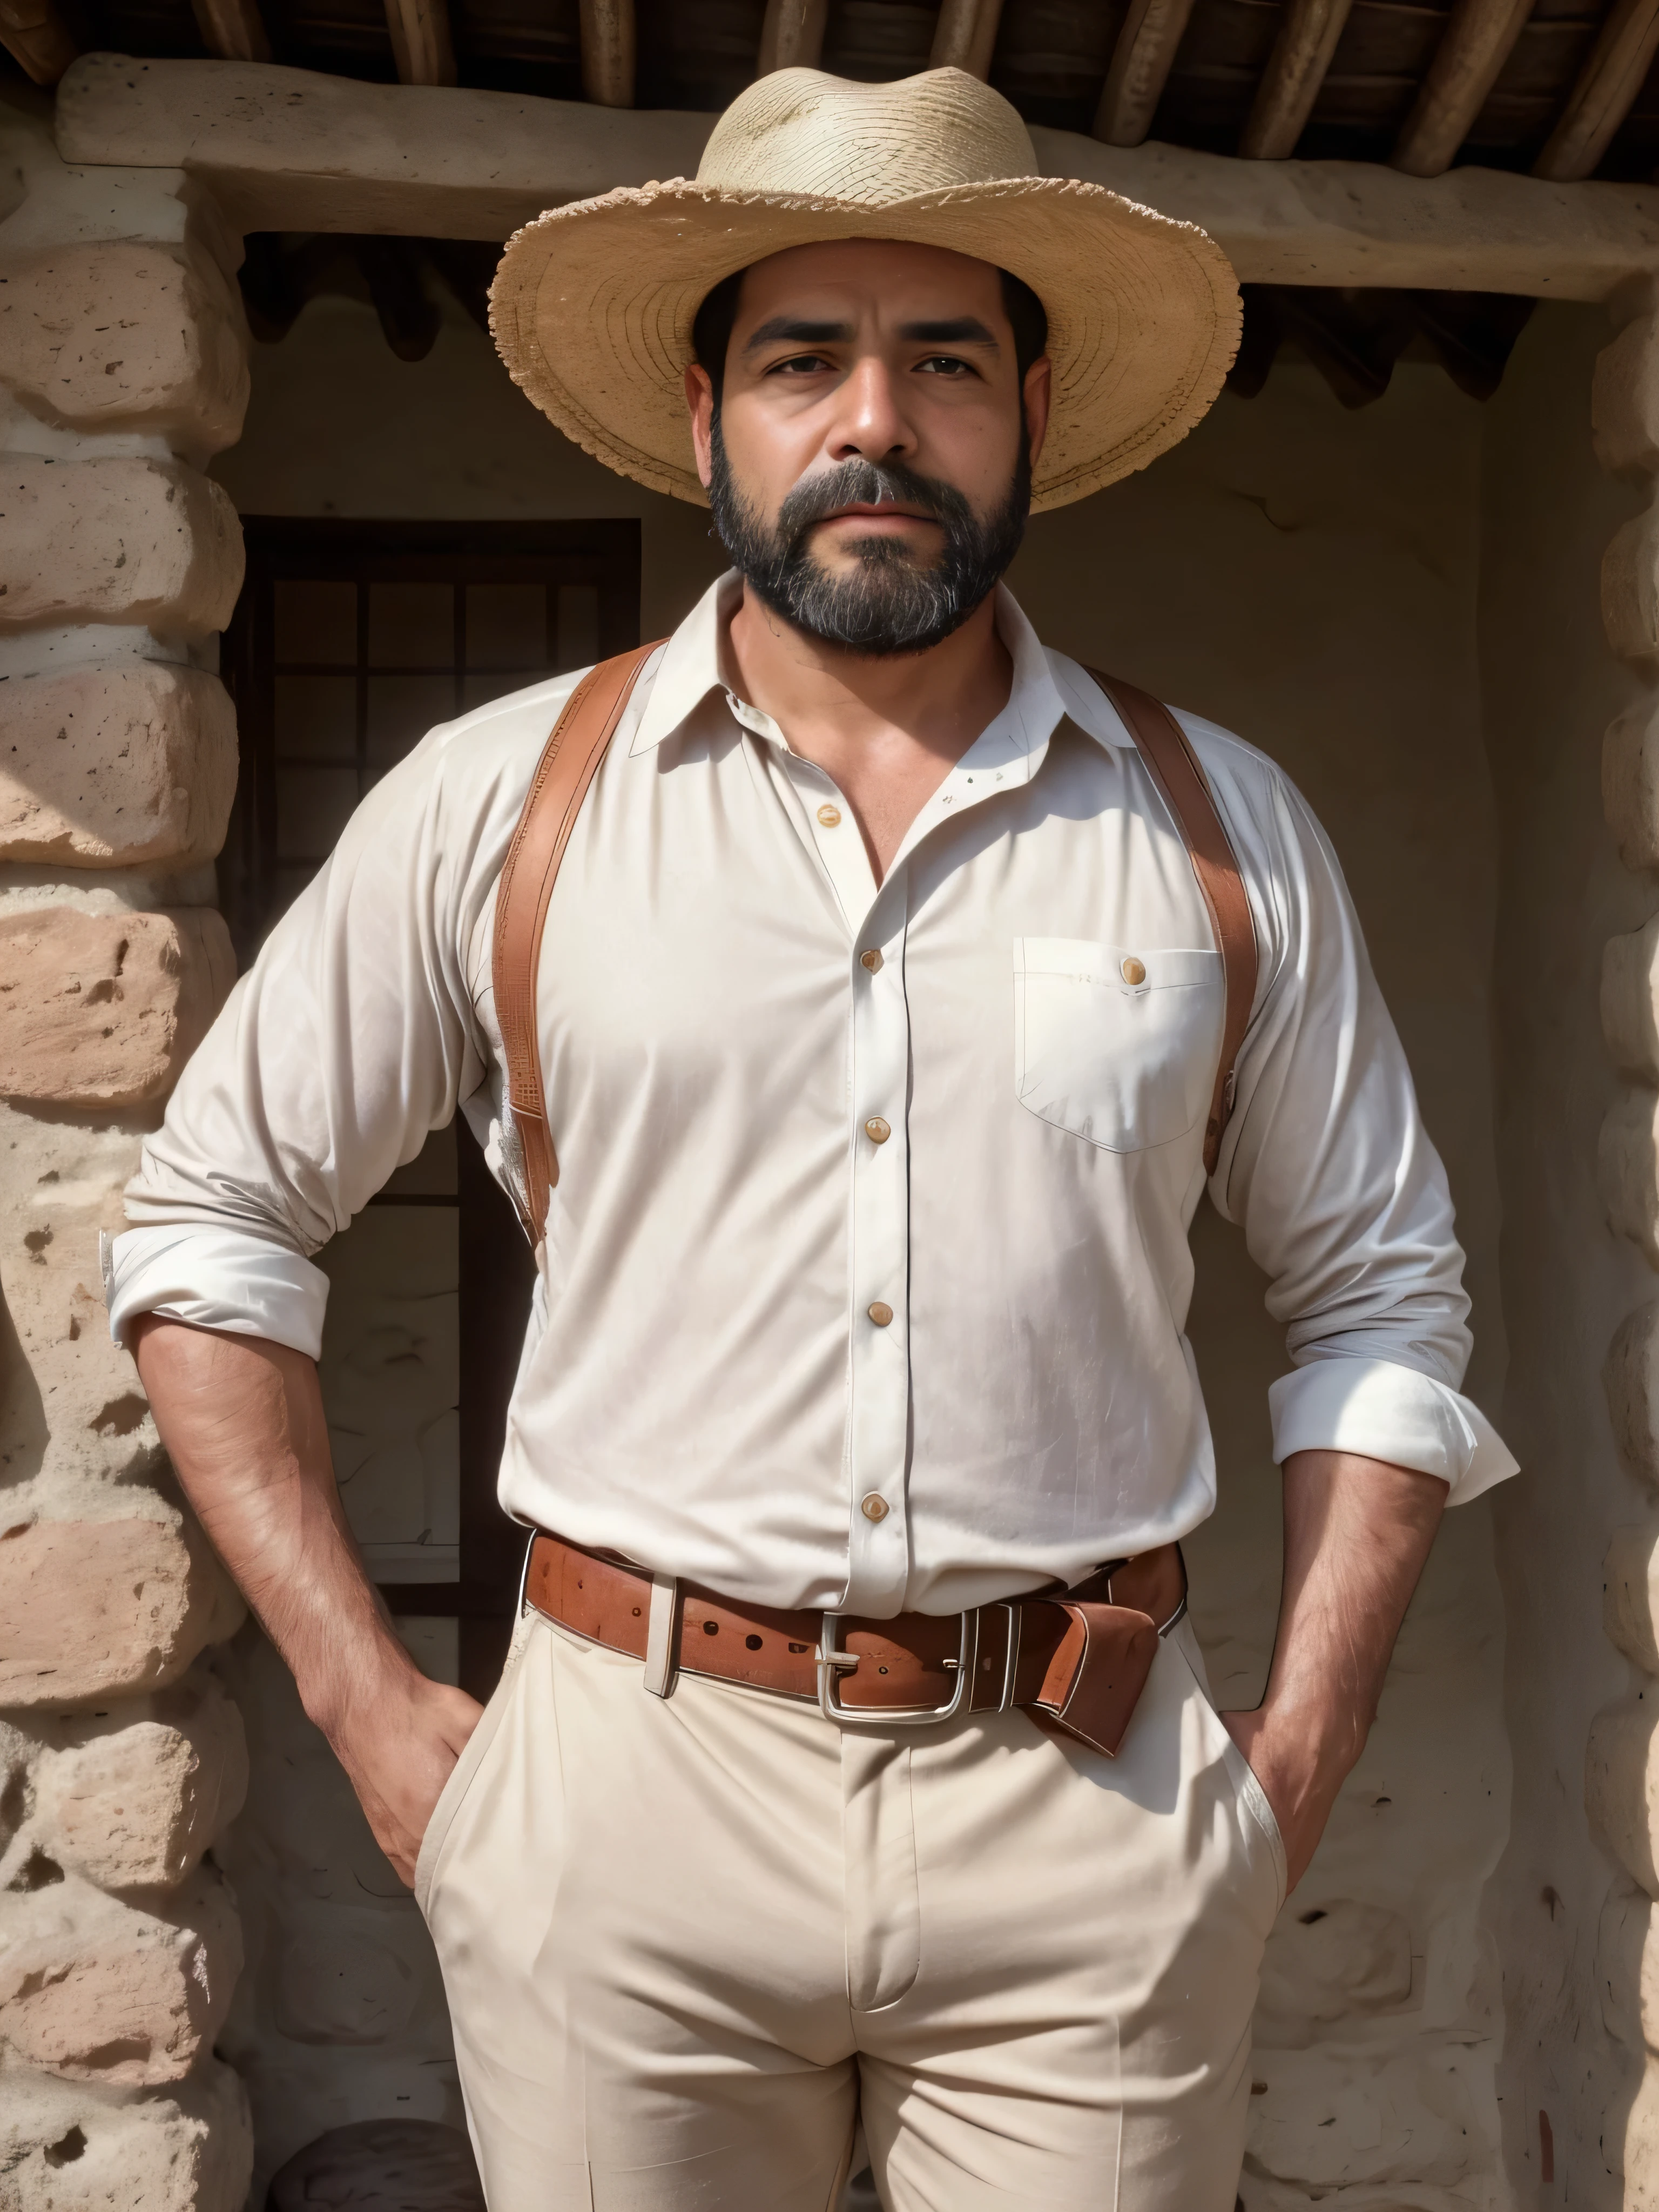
[(842, 1318)]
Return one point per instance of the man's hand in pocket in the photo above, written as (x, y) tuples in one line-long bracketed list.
[(398, 1742)]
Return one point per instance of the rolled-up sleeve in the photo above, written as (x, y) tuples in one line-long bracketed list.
[(1328, 1170), (353, 1036)]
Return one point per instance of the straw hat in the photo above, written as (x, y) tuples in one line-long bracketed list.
[(593, 303)]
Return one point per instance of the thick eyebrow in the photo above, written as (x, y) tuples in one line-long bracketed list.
[(962, 330), (789, 330)]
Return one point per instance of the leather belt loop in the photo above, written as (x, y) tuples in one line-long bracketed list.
[(662, 1654)]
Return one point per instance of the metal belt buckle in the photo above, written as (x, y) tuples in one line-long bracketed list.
[(833, 1662)]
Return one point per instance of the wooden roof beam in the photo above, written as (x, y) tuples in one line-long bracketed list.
[(1140, 65), (1307, 33), (234, 30), (36, 36), (609, 48), (965, 36), (1607, 85), (792, 36), (420, 44), (294, 150), (1474, 47)]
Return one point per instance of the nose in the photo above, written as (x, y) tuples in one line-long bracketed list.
[(869, 421)]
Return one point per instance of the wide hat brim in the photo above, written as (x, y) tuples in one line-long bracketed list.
[(593, 303)]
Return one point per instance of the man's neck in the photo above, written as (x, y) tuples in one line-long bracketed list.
[(888, 730)]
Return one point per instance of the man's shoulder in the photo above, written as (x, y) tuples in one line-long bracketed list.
[(504, 731)]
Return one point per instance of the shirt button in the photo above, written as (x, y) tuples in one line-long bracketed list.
[(829, 816), (874, 1508), (876, 1130), (880, 1314), (872, 959), (1134, 971)]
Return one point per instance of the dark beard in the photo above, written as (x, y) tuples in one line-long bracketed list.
[(887, 605)]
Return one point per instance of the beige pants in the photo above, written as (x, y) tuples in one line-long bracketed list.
[(689, 1944)]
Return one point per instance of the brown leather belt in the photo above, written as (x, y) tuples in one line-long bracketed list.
[(1077, 1662)]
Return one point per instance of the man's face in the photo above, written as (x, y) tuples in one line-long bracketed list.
[(868, 464)]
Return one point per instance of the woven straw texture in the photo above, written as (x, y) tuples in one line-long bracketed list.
[(593, 303)]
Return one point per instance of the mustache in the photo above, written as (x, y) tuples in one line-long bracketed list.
[(862, 483)]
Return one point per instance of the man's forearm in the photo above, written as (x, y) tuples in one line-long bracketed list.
[(1357, 1534), (243, 1421)]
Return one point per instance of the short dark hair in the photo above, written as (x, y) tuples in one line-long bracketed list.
[(711, 333)]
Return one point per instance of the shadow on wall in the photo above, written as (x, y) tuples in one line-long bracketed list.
[(23, 1432)]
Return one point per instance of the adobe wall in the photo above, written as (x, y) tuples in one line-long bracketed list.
[(1311, 577)]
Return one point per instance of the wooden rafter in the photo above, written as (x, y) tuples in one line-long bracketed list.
[(35, 35), (1302, 53), (1141, 61), (1474, 47), (234, 30), (420, 44), (1602, 99), (791, 37), (291, 149), (608, 52), (965, 36)]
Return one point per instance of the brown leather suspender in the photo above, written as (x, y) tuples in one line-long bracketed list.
[(567, 765), (1186, 792)]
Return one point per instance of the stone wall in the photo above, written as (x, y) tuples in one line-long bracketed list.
[(123, 368)]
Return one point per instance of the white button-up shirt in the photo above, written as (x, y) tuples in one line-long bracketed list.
[(772, 1348)]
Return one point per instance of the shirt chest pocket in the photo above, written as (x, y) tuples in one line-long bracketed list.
[(1118, 1043)]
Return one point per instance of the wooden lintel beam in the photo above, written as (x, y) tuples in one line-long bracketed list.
[(792, 36), (609, 51), (1477, 42), (1140, 65), (965, 36), (1602, 99), (1307, 33), (234, 30), (294, 150), (36, 37), (420, 44)]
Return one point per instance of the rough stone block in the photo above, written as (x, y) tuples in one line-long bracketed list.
[(1630, 591), (108, 767), (97, 1606), (1350, 1959), (1628, 1163), (1630, 1602), (342, 1982), (1332, 2123), (1630, 785), (134, 1802), (1630, 1000), (1621, 1786), (95, 1991), (104, 1010), (1630, 1376), (123, 335), (116, 541), (1627, 1968), (419, 2164), (1624, 401), (66, 2147), (1641, 2141)]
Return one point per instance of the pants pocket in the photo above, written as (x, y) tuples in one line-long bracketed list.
[(461, 1775), (1247, 1788)]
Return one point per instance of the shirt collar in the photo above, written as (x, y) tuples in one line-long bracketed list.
[(1047, 687)]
